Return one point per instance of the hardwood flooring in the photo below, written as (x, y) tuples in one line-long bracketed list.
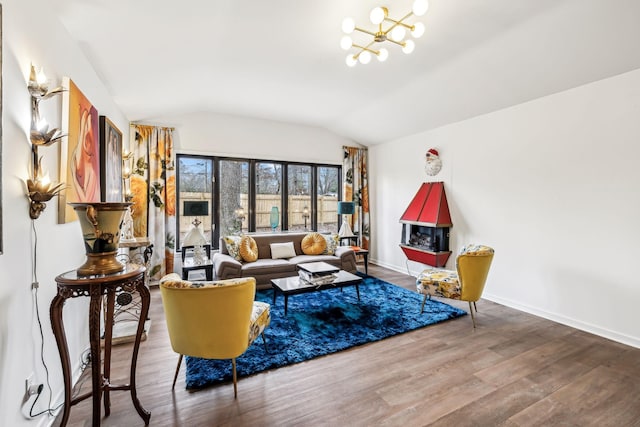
[(515, 369)]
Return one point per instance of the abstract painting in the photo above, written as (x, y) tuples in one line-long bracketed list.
[(80, 151)]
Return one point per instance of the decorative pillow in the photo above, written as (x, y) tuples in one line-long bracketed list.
[(282, 250), (332, 241), (313, 244), (233, 246), (248, 249)]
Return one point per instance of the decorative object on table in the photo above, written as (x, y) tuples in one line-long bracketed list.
[(326, 322), (199, 255), (227, 306), (394, 32), (111, 176), (466, 283), (40, 189), (344, 209), (433, 163), (194, 208), (425, 226), (100, 224), (274, 218), (126, 234), (80, 152)]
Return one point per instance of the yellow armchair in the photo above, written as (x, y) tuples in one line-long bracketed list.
[(466, 283), (213, 320)]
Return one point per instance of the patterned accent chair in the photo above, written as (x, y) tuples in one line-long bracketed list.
[(213, 320), (465, 284)]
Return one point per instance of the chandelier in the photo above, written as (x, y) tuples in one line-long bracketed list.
[(395, 33)]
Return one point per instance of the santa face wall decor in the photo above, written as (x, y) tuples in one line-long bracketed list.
[(434, 164)]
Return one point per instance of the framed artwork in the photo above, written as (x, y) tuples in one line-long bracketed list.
[(111, 165), (1, 214), (79, 151)]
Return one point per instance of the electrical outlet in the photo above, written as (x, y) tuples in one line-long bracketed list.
[(31, 389)]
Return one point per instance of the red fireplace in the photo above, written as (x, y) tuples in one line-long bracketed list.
[(425, 226)]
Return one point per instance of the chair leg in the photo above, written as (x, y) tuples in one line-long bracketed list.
[(473, 318), (235, 379), (264, 340), (423, 302), (175, 377), (475, 306)]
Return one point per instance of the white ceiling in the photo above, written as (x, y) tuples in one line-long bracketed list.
[(281, 60)]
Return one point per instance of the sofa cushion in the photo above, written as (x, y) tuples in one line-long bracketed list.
[(332, 243), (268, 266), (248, 249), (233, 246), (303, 259), (282, 250), (313, 244)]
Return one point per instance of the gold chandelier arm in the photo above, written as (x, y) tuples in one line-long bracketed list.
[(362, 30), (400, 22), (367, 48)]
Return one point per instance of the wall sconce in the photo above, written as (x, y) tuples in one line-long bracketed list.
[(39, 187), (305, 215)]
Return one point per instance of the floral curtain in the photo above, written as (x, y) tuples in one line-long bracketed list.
[(153, 188), (355, 188)]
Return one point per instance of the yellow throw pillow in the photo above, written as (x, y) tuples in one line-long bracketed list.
[(248, 249), (313, 244)]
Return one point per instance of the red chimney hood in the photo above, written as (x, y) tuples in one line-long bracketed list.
[(429, 207)]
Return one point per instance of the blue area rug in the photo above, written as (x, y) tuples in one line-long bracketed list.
[(325, 322)]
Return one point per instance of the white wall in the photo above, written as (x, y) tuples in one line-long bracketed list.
[(553, 185), (233, 136), (31, 35)]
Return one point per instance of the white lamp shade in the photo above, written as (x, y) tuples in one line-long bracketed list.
[(420, 7), (351, 61), (418, 30), (365, 57), (408, 47), (346, 43), (377, 15), (398, 33), (383, 54), (348, 25)]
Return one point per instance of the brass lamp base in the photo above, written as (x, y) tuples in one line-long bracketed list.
[(101, 263)]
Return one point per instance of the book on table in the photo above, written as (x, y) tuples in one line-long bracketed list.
[(317, 273)]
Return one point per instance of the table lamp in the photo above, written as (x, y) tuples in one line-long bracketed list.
[(346, 208)]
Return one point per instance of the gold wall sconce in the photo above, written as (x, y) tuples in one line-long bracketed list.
[(40, 189)]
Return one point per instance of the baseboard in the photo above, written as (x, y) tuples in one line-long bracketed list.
[(568, 321), (555, 317)]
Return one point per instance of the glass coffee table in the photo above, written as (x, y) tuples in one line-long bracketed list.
[(295, 285)]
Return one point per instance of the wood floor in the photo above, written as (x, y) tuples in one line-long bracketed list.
[(515, 369)]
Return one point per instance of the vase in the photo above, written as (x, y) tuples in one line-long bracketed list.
[(100, 224), (275, 218)]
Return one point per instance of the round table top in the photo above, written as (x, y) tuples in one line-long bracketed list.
[(72, 278)]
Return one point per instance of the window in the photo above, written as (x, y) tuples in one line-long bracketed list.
[(240, 196)]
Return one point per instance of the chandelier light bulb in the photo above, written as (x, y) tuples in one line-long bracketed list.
[(348, 25), (420, 7), (418, 30), (383, 54), (365, 57), (398, 33), (346, 43), (351, 61), (408, 47), (377, 15)]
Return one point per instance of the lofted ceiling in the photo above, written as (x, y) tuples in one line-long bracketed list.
[(281, 60)]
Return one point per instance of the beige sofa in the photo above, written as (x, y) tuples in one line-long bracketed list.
[(264, 268)]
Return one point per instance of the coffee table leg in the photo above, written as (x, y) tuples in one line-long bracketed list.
[(358, 292), (286, 301)]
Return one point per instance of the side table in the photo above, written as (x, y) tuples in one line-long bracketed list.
[(70, 285), (365, 258)]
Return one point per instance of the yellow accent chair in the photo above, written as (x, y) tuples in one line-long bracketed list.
[(213, 320), (466, 283)]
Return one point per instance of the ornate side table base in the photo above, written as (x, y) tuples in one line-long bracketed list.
[(71, 286)]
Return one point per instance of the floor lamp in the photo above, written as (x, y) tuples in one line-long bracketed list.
[(346, 208)]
